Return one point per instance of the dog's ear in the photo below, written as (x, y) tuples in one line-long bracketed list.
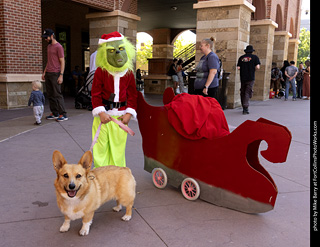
[(86, 160), (58, 160)]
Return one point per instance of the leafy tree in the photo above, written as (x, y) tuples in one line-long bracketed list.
[(179, 45), (304, 46), (143, 54), (187, 47)]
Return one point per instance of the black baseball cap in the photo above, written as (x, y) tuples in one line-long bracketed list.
[(47, 33)]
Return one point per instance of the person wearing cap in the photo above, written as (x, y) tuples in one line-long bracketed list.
[(114, 95), (53, 76), (247, 64)]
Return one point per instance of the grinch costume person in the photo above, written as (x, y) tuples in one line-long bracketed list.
[(114, 95)]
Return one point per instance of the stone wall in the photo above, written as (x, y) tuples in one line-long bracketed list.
[(262, 40), (107, 22), (280, 47)]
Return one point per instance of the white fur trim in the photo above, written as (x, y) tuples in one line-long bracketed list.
[(115, 112), (97, 110), (122, 73), (101, 41), (116, 85), (132, 112), (116, 81)]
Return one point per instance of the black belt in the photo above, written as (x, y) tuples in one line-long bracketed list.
[(109, 105)]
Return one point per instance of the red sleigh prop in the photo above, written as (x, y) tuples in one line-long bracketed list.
[(224, 171)]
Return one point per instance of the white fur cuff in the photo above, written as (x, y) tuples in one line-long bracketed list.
[(97, 110), (132, 112)]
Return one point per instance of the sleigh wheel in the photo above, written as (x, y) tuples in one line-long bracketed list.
[(159, 178), (190, 189)]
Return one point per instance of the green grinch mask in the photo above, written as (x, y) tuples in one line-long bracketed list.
[(116, 56)]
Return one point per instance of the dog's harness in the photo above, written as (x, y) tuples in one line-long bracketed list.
[(121, 125)]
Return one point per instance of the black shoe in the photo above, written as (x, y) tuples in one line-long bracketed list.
[(36, 123), (245, 111)]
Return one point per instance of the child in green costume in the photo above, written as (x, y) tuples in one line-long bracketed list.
[(113, 94)]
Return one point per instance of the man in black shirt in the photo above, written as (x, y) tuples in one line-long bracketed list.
[(247, 64)]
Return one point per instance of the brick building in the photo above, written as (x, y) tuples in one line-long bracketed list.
[(23, 51), (271, 26)]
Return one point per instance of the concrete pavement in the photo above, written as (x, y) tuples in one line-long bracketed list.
[(29, 215)]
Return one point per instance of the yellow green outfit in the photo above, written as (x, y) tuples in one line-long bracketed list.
[(111, 144)]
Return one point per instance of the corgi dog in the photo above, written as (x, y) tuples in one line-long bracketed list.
[(81, 191)]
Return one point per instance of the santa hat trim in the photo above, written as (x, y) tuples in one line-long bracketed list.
[(105, 38)]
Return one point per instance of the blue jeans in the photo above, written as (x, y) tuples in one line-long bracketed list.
[(293, 86)]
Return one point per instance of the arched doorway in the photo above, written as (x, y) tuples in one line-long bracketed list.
[(185, 48), (144, 51)]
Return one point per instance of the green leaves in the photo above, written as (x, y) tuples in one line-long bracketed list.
[(304, 46)]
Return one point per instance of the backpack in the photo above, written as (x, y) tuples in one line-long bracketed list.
[(299, 76)]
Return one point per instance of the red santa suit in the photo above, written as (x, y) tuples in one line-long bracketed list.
[(121, 84), (116, 87)]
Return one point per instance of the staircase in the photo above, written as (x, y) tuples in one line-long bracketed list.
[(188, 56)]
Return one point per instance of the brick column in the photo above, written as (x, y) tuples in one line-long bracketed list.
[(161, 47), (293, 50), (20, 50), (107, 22), (229, 23), (162, 54), (162, 51), (262, 38), (280, 47)]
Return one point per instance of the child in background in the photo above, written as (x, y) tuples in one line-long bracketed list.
[(37, 99)]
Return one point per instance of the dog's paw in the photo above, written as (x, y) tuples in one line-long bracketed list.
[(84, 232), (126, 217), (65, 227), (85, 229), (117, 208)]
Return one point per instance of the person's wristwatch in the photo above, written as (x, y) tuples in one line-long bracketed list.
[(205, 87)]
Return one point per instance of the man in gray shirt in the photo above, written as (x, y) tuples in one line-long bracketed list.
[(291, 73)]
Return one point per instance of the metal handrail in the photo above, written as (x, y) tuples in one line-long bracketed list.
[(187, 55)]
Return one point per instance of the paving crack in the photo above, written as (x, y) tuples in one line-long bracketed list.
[(151, 227)]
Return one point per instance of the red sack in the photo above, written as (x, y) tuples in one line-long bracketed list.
[(196, 117)]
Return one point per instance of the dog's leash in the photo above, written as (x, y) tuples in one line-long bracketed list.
[(121, 125)]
